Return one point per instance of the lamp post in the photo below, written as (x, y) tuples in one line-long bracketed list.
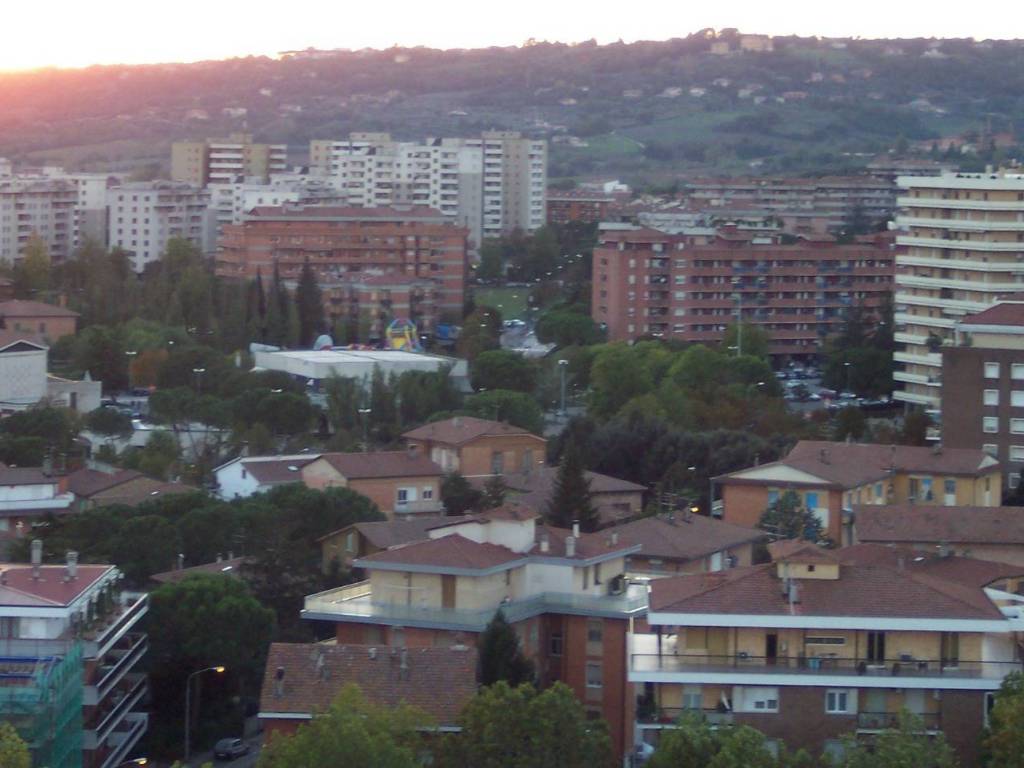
[(136, 761), (846, 365), (199, 378), (365, 413), (737, 283), (562, 365), (131, 353), (188, 705)]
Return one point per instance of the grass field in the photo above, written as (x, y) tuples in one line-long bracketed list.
[(510, 301)]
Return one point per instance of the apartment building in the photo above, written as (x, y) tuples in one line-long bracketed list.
[(818, 644), (577, 206), (224, 161), (349, 245), (400, 483), (478, 447), (564, 592), (691, 285), (145, 216), (492, 184), (38, 319), (830, 478), (982, 390), (961, 247), (36, 209), (73, 679)]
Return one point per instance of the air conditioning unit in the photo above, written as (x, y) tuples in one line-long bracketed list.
[(617, 586)]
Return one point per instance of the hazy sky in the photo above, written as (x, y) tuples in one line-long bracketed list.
[(80, 32)]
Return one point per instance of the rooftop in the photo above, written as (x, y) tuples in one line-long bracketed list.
[(86, 482), (228, 567), (25, 476), (23, 308), (272, 470), (910, 523), (437, 680), (350, 213), (379, 464), (688, 537), (459, 430), (1006, 313), (18, 588), (454, 554)]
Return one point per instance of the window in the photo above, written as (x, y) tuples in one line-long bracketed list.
[(597, 573), (837, 701), (878, 491), (758, 699), (773, 496), (527, 460), (991, 449), (990, 425), (595, 675), (555, 644), (350, 542), (1017, 371), (693, 698), (595, 631), (991, 370), (811, 500), (1017, 453), (949, 486), (990, 397), (876, 647), (824, 640), (1013, 480), (497, 463), (403, 495), (428, 492), (1017, 398)]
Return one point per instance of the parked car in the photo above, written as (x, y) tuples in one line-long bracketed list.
[(230, 749)]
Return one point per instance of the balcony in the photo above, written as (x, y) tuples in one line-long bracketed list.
[(124, 738), (742, 668), (421, 506), (103, 633), (354, 603), (113, 712), (667, 717), (871, 722), (120, 662)]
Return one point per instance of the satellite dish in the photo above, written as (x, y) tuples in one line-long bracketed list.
[(323, 341)]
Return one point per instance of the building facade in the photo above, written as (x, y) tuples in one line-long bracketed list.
[(145, 216), (400, 483), (478, 447), (225, 161), (690, 286), (36, 210), (961, 244)]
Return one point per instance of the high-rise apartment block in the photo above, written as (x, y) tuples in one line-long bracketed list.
[(144, 216), (215, 161), (36, 209), (492, 185), (690, 285), (961, 246)]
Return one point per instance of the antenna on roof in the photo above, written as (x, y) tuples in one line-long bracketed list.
[(279, 682)]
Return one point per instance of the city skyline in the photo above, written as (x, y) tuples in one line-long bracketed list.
[(112, 31)]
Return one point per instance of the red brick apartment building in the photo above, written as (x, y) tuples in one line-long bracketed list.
[(399, 262), (564, 591), (690, 286), (569, 206)]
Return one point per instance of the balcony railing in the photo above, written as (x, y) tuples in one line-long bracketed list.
[(904, 666), (108, 719), (668, 716), (880, 721), (111, 674), (107, 630)]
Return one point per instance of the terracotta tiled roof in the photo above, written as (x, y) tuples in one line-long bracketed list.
[(799, 551), (1004, 313), (687, 538), (25, 476), (968, 571), (229, 567), (534, 489), (86, 482), (19, 588), (391, 533), (383, 464), (909, 523), (437, 680), (588, 545), (22, 308), (459, 430), (447, 552), (145, 489), (277, 470)]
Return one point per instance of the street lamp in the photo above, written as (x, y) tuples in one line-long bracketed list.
[(365, 413), (188, 702), (562, 365), (846, 365), (199, 378), (737, 283), (131, 353), (136, 761)]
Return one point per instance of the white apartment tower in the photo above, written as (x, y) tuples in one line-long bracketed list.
[(960, 247), (36, 208), (144, 216)]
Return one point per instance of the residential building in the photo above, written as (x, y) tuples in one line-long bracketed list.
[(830, 478), (690, 286), (346, 246), (313, 367), (246, 475), (29, 495), (145, 216), (818, 644), (683, 542), (223, 161), (563, 591), (302, 680), (982, 386), (400, 483), (983, 533), (577, 206), (36, 210), (473, 447), (616, 500), (47, 322), (74, 683), (24, 381), (961, 243), (343, 546)]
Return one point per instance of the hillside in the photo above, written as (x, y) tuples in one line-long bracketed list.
[(641, 110)]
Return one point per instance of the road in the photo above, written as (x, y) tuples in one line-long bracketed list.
[(245, 761)]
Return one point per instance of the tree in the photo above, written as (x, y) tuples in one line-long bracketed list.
[(906, 746), (787, 518), (756, 341), (351, 732), (143, 546), (850, 423), (615, 379), (516, 408), (310, 306), (32, 275), (501, 656), (506, 727), (503, 369), (568, 326), (14, 752), (690, 744), (481, 331), (109, 422), (1005, 740), (494, 492), (458, 495), (570, 499), (915, 428)]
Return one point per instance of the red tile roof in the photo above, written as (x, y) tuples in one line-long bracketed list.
[(687, 538), (272, 470), (25, 476), (447, 552), (911, 523), (141, 491), (17, 587), (22, 308), (391, 533), (588, 545), (86, 482), (1003, 313), (459, 430), (382, 464), (962, 570), (799, 551), (228, 567), (437, 680)]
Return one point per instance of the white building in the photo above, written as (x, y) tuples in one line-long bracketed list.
[(24, 381), (36, 207), (248, 475), (316, 365), (144, 216)]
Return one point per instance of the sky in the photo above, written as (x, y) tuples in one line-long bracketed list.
[(74, 33)]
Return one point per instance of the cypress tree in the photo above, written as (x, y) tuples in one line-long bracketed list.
[(501, 657), (309, 302), (571, 500)]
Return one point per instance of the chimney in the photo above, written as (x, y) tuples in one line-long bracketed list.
[(48, 464), (545, 543), (71, 565), (37, 558), (3, 578), (231, 555), (181, 561), (570, 546), (576, 528), (457, 422), (321, 667), (279, 682), (403, 664), (900, 563), (615, 538), (937, 449), (825, 459), (410, 449)]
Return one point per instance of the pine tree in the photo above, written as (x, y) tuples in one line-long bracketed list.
[(277, 311), (310, 306), (571, 500), (501, 657), (495, 491)]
